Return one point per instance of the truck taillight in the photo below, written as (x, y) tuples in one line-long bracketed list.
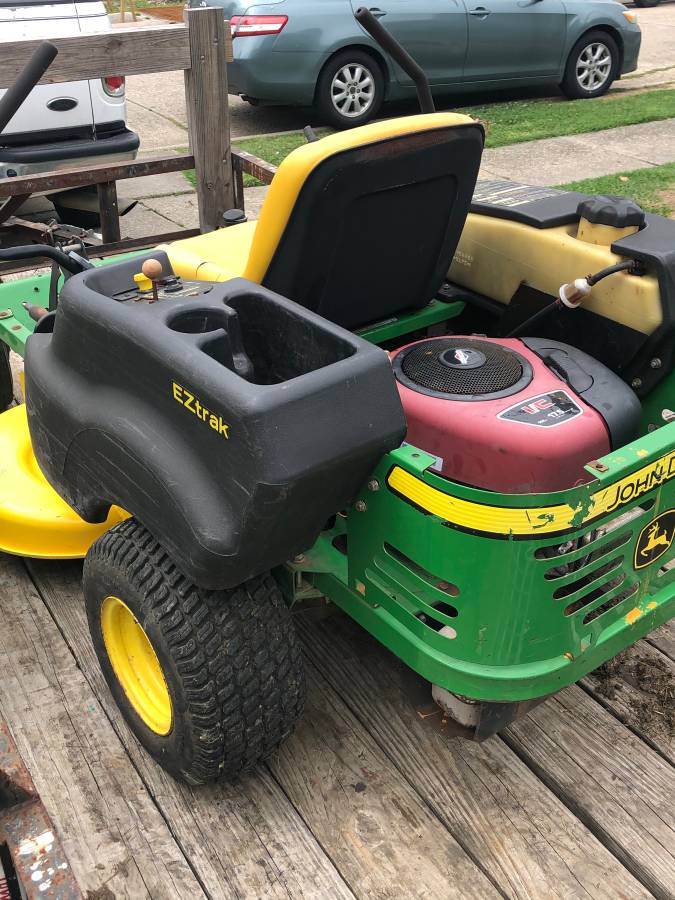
[(248, 26), (113, 85)]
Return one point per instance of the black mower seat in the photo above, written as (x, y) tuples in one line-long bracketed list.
[(357, 226)]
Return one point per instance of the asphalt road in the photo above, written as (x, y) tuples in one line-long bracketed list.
[(157, 102)]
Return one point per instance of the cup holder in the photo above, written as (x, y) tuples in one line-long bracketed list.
[(199, 321)]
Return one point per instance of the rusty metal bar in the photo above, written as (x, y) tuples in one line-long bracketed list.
[(253, 165), (109, 212), (27, 832), (78, 177), (10, 206)]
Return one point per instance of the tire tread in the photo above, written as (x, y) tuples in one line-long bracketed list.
[(241, 703)]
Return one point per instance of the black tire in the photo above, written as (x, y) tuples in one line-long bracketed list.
[(6, 380), (646, 3), (571, 85), (353, 59), (231, 659)]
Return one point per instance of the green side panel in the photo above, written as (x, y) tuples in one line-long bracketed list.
[(15, 324), (499, 616), (432, 314), (663, 397)]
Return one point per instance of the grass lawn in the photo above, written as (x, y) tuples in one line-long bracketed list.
[(516, 121), (653, 189), (530, 120)]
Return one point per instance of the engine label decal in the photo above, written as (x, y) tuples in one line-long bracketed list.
[(544, 410), (655, 539), (533, 521)]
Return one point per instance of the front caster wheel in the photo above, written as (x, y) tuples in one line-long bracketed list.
[(210, 682)]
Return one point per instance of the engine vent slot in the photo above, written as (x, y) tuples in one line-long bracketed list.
[(577, 565), (612, 602), (587, 577), (462, 368), (433, 580), (595, 594)]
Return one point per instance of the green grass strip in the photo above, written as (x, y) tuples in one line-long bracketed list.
[(646, 186), (518, 121), (514, 122)]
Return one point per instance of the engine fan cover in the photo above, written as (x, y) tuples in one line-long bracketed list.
[(496, 416)]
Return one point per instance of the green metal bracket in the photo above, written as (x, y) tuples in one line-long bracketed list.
[(433, 314), (15, 324)]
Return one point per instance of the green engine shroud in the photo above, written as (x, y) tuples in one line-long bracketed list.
[(532, 591)]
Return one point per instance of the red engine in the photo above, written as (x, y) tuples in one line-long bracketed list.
[(511, 415)]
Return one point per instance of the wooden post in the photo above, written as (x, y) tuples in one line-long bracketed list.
[(110, 217), (238, 176), (208, 113)]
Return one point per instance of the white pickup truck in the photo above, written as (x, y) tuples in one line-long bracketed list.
[(68, 124)]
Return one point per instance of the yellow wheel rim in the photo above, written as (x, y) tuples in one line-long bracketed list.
[(136, 666)]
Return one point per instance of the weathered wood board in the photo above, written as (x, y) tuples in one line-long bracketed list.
[(111, 830)]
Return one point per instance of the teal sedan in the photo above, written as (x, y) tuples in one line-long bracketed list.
[(313, 52)]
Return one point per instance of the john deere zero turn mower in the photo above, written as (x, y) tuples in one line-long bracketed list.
[(446, 407)]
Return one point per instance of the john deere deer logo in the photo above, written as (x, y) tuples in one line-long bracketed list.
[(655, 539)]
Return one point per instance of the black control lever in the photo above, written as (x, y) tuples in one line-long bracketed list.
[(28, 77), (70, 263), (390, 45)]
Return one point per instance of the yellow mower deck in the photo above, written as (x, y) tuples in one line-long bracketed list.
[(34, 520)]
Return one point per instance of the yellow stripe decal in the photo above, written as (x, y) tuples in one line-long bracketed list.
[(533, 521)]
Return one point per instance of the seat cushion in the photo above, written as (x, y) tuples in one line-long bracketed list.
[(216, 256)]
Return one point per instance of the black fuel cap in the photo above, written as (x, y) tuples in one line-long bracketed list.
[(617, 211)]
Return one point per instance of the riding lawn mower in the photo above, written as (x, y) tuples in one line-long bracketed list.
[(444, 405)]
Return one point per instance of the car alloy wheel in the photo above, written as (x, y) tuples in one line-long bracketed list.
[(353, 90), (593, 66)]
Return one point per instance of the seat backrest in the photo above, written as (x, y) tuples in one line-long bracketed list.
[(363, 224)]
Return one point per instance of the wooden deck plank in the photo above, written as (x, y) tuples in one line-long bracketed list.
[(243, 840), (381, 835), (664, 638), (620, 788), (376, 837), (525, 838), (114, 836), (638, 687)]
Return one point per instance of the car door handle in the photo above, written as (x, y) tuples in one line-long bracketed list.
[(480, 12), (378, 13)]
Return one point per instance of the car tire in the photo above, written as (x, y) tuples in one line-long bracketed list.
[(6, 380), (363, 81), (646, 3), (592, 66), (210, 682)]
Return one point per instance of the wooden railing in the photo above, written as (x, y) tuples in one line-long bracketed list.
[(201, 48)]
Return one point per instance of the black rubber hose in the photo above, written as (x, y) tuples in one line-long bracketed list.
[(537, 317), (40, 251), (627, 265), (391, 46), (25, 81)]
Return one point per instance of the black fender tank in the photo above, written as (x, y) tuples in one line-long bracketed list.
[(230, 421)]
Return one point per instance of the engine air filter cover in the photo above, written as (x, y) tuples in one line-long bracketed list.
[(496, 416), (459, 368)]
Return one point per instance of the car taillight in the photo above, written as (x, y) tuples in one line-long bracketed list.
[(113, 85), (248, 26)]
